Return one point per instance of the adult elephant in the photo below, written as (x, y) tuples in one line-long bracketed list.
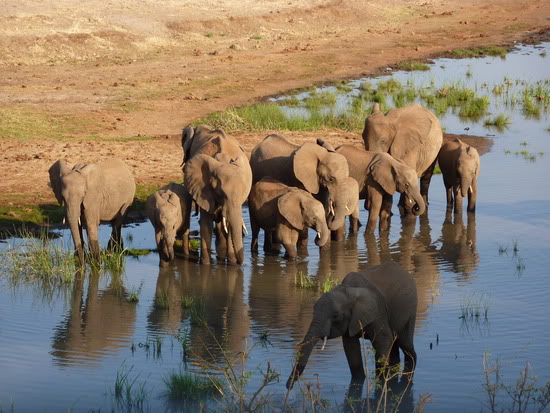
[(218, 177), (378, 304), (412, 134), (318, 170), (379, 176), (92, 193)]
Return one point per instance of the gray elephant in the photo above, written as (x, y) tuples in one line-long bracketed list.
[(310, 166), (218, 177), (378, 304), (285, 212), (92, 193), (459, 165), (379, 176), (167, 211), (411, 134)]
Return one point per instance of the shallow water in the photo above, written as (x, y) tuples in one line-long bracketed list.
[(64, 351)]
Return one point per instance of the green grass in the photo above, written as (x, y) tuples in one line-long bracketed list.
[(257, 37), (128, 393), (25, 124), (479, 52), (437, 170), (391, 85), (543, 54), (474, 108), (328, 284), (530, 109), (112, 260), (134, 293), (197, 312), (162, 301), (16, 217), (343, 87), (413, 65), (302, 280), (316, 100), (187, 301), (500, 120), (189, 386), (475, 306), (142, 193)]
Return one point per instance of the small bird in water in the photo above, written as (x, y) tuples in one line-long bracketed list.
[(467, 128)]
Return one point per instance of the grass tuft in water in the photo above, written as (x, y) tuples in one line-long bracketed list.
[(475, 306), (328, 284), (134, 293), (474, 108), (500, 121), (189, 386), (197, 312), (479, 52), (413, 65), (302, 280), (162, 301), (128, 394)]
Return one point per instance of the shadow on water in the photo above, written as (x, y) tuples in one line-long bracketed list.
[(99, 321)]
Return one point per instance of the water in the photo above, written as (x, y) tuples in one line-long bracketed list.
[(65, 351)]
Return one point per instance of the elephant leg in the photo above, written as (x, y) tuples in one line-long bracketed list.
[(255, 228), (472, 197), (185, 233), (385, 212), (405, 340), (231, 256), (354, 221), (290, 239), (457, 199), (163, 260), (206, 222), (382, 343), (425, 181), (374, 211), (394, 355), (93, 240), (115, 241), (352, 348), (221, 243), (449, 191)]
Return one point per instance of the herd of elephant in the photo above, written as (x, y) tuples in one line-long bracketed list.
[(291, 188)]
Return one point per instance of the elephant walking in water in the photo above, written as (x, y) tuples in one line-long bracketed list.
[(218, 177), (93, 193), (378, 304), (411, 134)]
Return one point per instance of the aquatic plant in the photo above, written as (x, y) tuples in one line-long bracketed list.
[(529, 106), (328, 284), (112, 260), (127, 392), (474, 306), (316, 100), (197, 312), (474, 108), (391, 85), (188, 386), (162, 301), (187, 301), (302, 280), (134, 293), (479, 52), (412, 65), (500, 120)]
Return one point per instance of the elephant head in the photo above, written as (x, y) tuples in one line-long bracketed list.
[(318, 168), (301, 211), (220, 188), (56, 171), (165, 209), (344, 311), (394, 175), (467, 168)]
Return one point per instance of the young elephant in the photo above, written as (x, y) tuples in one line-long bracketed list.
[(352, 209), (284, 212), (167, 211), (377, 304), (459, 164), (379, 176)]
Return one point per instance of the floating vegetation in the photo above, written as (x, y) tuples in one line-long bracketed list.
[(137, 252)]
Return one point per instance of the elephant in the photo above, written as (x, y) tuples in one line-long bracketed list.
[(411, 134), (285, 212), (91, 193), (459, 164), (167, 211), (352, 209), (379, 176), (312, 167), (218, 177), (378, 304)]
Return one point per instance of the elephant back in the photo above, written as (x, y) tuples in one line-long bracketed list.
[(273, 157)]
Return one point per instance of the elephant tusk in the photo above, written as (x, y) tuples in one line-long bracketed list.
[(318, 235), (63, 220), (470, 189), (224, 225), (79, 223), (244, 229), (324, 343), (330, 208), (347, 209), (411, 201)]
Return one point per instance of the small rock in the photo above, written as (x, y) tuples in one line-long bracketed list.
[(115, 84)]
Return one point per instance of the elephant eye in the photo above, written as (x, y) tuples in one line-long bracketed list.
[(406, 185)]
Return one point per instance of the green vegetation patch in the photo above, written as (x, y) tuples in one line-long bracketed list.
[(411, 65), (17, 123), (189, 386), (479, 52)]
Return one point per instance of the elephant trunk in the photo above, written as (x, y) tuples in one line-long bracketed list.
[(236, 223), (73, 216), (465, 183), (337, 208), (323, 234), (420, 206), (315, 332), (168, 245)]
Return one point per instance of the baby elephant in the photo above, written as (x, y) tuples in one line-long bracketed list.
[(351, 201), (167, 209), (459, 164), (377, 304), (285, 213)]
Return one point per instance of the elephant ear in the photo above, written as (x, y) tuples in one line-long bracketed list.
[(93, 179), (186, 141), (384, 172), (199, 173), (290, 207), (306, 159), (325, 144), (56, 171), (411, 130), (368, 306)]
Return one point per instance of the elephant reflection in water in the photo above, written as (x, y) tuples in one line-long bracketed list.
[(416, 254), (83, 336), (225, 313), (458, 244)]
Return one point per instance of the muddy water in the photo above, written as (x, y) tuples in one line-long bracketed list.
[(65, 351)]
